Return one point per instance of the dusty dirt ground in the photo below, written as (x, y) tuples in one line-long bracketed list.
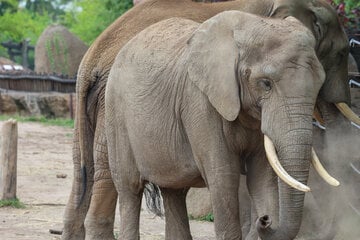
[(43, 153)]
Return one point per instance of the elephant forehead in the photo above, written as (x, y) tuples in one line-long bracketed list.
[(269, 69)]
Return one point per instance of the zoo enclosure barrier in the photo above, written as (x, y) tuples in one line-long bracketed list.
[(33, 82)]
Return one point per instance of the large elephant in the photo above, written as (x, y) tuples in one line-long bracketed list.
[(93, 195), (187, 103)]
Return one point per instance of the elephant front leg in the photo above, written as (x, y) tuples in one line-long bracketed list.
[(176, 219), (262, 187), (247, 212), (223, 184)]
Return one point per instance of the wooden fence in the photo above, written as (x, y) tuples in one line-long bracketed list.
[(30, 82)]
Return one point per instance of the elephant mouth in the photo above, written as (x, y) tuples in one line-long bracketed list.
[(283, 175)]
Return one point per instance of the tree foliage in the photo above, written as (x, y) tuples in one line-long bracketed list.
[(21, 19), (349, 14), (26, 19), (8, 5), (90, 17)]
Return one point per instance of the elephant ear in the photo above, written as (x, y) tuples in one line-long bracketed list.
[(212, 66), (311, 16)]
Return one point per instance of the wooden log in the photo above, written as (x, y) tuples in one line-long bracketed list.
[(8, 160)]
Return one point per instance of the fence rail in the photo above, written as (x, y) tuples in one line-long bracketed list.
[(37, 83), (32, 82)]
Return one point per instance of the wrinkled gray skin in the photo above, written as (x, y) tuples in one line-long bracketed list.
[(187, 104), (323, 218), (97, 200)]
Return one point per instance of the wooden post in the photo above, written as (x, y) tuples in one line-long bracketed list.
[(8, 160), (24, 53)]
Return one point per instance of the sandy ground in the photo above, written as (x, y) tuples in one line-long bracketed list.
[(43, 153)]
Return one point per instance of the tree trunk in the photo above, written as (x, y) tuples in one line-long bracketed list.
[(8, 160)]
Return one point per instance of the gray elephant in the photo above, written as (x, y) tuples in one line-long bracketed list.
[(93, 194), (188, 104)]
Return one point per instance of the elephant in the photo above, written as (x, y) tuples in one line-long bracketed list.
[(92, 200), (187, 103)]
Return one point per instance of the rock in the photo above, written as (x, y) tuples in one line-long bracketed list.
[(58, 51), (198, 202), (48, 104), (7, 105)]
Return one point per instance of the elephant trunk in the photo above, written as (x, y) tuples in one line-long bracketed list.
[(294, 151)]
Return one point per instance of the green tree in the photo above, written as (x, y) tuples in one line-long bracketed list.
[(90, 17), (56, 9), (18, 24), (8, 5), (349, 4)]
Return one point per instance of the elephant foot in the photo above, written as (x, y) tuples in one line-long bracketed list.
[(105, 235), (71, 233), (99, 229)]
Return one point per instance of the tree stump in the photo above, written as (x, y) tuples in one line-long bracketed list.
[(8, 160)]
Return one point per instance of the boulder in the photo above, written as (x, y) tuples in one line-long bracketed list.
[(48, 104), (58, 51)]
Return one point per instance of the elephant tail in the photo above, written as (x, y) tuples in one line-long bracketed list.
[(153, 199)]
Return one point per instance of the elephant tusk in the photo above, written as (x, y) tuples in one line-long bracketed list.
[(279, 170), (321, 170), (348, 113), (317, 116)]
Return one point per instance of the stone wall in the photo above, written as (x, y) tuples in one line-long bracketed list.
[(48, 104)]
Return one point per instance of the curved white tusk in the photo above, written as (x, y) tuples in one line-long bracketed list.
[(348, 113), (321, 170), (279, 170)]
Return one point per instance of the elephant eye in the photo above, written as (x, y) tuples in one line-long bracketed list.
[(265, 84)]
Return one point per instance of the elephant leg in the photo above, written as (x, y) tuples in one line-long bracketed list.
[(127, 180), (176, 219), (252, 234), (247, 212), (75, 211), (130, 206), (99, 223), (262, 185), (244, 207), (223, 184)]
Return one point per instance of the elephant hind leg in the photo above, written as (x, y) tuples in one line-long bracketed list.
[(130, 206), (176, 219), (75, 213), (99, 222)]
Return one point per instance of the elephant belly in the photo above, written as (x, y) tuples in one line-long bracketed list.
[(165, 160)]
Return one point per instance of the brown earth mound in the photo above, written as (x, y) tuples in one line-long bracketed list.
[(58, 51)]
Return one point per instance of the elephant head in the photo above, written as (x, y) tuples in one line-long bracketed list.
[(267, 70), (332, 50)]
